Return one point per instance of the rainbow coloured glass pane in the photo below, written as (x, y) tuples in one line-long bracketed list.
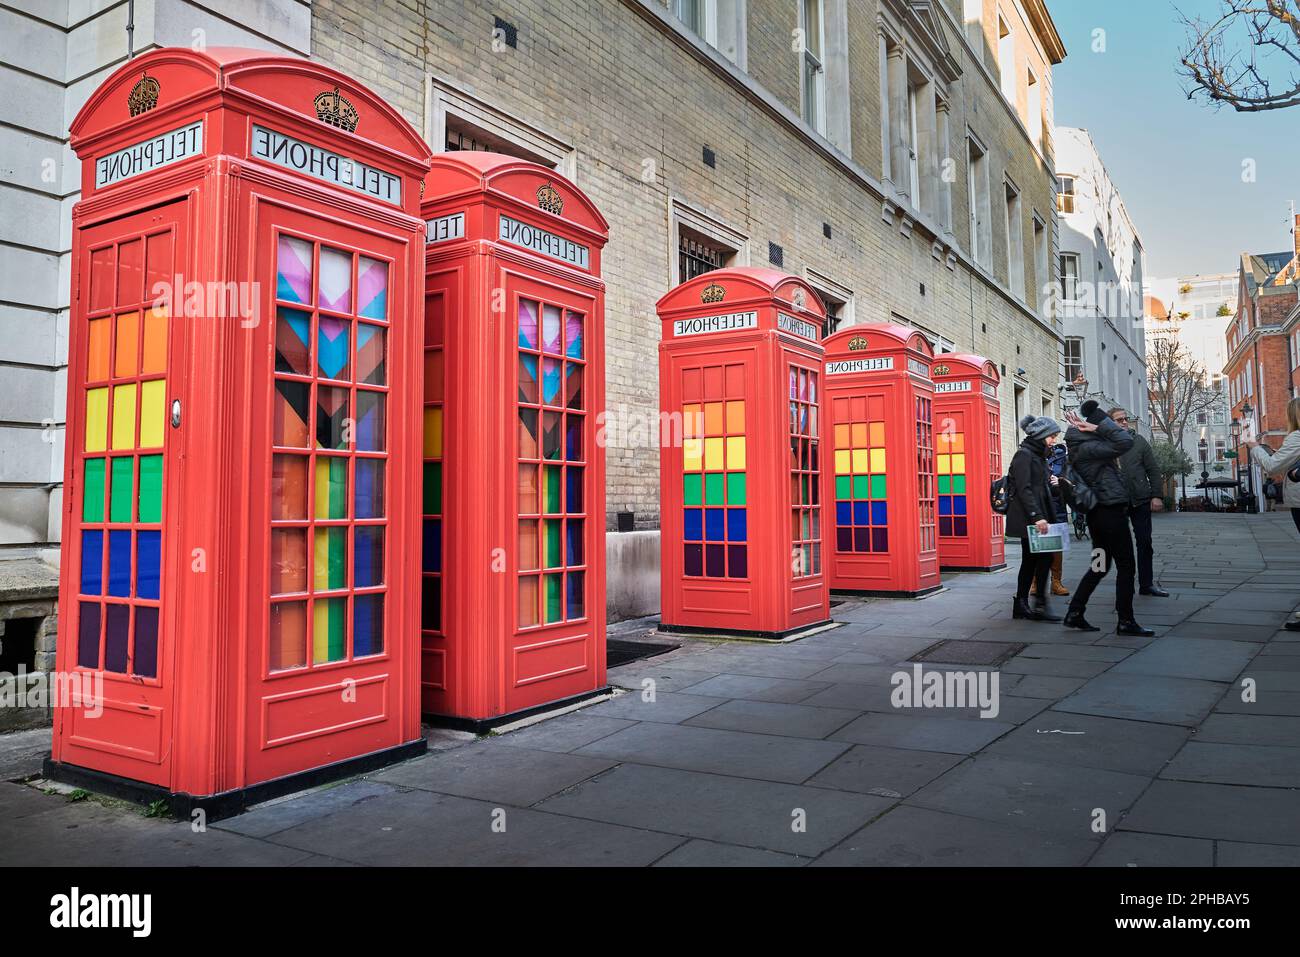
[(861, 488), (715, 494), (950, 475)]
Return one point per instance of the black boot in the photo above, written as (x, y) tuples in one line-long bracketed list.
[(1075, 619), (1043, 613), (1133, 628), (1020, 609)]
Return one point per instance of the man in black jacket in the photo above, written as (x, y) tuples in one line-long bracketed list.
[(1096, 442), (1142, 476)]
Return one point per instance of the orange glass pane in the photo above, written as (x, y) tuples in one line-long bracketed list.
[(155, 341), (97, 350), (714, 423), (527, 601), (126, 357), (860, 435), (288, 645), (877, 434), (735, 417)]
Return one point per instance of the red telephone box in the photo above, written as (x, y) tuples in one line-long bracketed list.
[(513, 573), (740, 474), (882, 485), (967, 459), (242, 480)]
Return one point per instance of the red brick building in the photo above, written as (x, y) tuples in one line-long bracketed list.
[(1264, 344)]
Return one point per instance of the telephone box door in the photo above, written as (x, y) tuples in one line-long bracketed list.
[(558, 509), (324, 667), (120, 535)]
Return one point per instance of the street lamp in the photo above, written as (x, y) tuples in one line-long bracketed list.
[(1247, 410), (1235, 431), (1203, 448)]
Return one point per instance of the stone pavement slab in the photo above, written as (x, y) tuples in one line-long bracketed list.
[(1134, 747), (885, 772), (715, 807), (923, 733), (1190, 658), (917, 837), (754, 688), (1222, 811), (1251, 729), (668, 707), (1234, 854), (1256, 765), (564, 733), (1034, 794), (770, 717), (697, 853), (266, 819), (1145, 698), (518, 776), (1130, 849), (762, 756)]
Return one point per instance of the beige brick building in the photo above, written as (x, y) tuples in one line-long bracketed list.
[(896, 153), (853, 144)]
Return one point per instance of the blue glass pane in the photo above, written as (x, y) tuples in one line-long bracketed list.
[(119, 564), (861, 513), (736, 525), (432, 561), (149, 559), (693, 530), (713, 519), (959, 504), (368, 556), (92, 564), (879, 515), (843, 513), (945, 505)]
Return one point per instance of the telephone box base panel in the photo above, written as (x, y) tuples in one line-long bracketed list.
[(227, 803), (484, 725), (788, 634), (972, 568), (874, 593)]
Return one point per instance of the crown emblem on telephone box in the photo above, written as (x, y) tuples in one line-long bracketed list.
[(144, 95), (549, 199), (799, 299), (336, 110), (858, 344), (713, 293), (941, 370)]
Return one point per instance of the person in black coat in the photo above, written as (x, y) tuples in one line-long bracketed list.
[(1058, 459), (1096, 442), (1031, 503)]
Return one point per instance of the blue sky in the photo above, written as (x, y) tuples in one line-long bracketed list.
[(1177, 163)]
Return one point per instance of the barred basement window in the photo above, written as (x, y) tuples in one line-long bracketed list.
[(696, 256)]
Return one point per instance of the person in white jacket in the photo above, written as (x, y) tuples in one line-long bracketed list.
[(1280, 464)]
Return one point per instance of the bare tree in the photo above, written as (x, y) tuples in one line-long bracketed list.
[(1176, 386), (1234, 59)]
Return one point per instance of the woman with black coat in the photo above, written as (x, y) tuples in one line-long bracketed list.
[(1030, 503), (1096, 442)]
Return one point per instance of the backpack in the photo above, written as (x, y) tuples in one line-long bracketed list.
[(999, 494)]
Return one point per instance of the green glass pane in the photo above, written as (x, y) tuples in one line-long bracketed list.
[(122, 488), (92, 502), (878, 486), (945, 484), (959, 485), (861, 486), (331, 558), (151, 481), (552, 535), (552, 488), (432, 488), (554, 611), (713, 489), (736, 488), (691, 488), (843, 488), (329, 632)]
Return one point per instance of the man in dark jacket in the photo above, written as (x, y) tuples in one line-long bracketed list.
[(1096, 442), (1142, 476)]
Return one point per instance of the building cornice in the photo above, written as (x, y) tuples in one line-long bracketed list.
[(1046, 29), (662, 19)]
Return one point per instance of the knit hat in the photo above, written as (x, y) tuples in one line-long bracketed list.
[(1091, 412), (1039, 427)]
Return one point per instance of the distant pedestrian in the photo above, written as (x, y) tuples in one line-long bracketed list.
[(1058, 459), (1096, 442), (1285, 462), (1142, 476), (1031, 504)]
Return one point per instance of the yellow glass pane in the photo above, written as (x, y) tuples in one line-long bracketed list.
[(959, 442), (155, 341), (124, 416), (943, 464), (859, 461), (843, 462), (877, 461), (735, 417), (692, 421), (433, 433), (128, 328), (692, 455), (959, 465), (843, 436), (714, 423), (712, 453), (877, 435), (153, 415), (96, 419), (735, 453), (859, 435)]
